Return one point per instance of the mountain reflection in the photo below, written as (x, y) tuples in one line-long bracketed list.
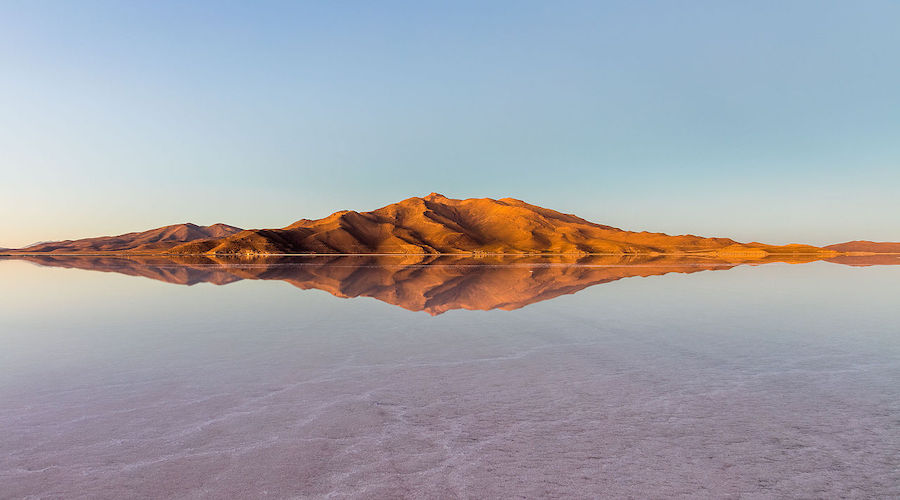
[(434, 284)]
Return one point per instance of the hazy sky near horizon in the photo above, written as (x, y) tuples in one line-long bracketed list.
[(768, 120)]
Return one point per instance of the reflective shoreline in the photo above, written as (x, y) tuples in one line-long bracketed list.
[(434, 284)]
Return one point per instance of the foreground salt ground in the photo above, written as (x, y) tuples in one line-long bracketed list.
[(756, 383)]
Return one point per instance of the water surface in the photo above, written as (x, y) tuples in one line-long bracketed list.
[(454, 379)]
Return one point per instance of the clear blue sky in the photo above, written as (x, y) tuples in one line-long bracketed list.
[(774, 121)]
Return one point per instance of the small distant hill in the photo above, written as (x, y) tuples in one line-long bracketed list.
[(862, 246), (154, 240)]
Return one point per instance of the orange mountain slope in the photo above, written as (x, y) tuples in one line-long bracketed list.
[(154, 240), (436, 224)]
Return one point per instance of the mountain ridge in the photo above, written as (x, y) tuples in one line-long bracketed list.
[(432, 224)]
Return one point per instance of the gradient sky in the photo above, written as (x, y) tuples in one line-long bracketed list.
[(770, 121)]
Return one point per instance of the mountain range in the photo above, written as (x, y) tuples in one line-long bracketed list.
[(434, 224)]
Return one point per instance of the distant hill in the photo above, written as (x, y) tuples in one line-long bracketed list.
[(437, 224), (863, 246), (154, 240)]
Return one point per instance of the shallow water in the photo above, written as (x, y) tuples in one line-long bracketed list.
[(580, 380)]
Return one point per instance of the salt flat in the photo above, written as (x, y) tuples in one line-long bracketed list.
[(756, 382)]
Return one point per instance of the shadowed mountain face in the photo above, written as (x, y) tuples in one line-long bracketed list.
[(154, 240), (434, 284)]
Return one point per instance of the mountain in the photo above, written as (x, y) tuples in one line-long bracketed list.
[(431, 283), (154, 240), (862, 246), (437, 224), (433, 224)]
